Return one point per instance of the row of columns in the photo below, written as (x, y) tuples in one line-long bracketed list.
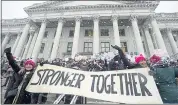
[(158, 37), (34, 42)]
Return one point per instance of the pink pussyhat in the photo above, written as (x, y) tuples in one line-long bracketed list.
[(139, 58)]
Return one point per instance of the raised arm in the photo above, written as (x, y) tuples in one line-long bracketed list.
[(11, 60), (123, 57)]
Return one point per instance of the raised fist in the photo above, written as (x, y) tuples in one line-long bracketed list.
[(7, 50)]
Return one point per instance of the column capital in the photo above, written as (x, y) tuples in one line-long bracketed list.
[(44, 20), (27, 21), (115, 17), (146, 27), (60, 19), (169, 29), (95, 17), (32, 33), (19, 32), (133, 17), (78, 18), (152, 17)]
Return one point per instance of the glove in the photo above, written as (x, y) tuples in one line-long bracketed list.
[(115, 47), (7, 50), (41, 63)]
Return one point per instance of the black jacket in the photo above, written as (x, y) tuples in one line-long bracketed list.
[(24, 96)]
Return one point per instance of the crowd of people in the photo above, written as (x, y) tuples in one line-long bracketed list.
[(19, 73)]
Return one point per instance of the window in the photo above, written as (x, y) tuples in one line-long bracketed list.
[(121, 32), (124, 46), (71, 33), (42, 47), (69, 47), (46, 34), (104, 32), (89, 32), (88, 47), (105, 46)]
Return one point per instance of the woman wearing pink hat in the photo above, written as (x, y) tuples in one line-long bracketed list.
[(17, 93)]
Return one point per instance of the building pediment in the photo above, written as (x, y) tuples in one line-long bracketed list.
[(79, 5)]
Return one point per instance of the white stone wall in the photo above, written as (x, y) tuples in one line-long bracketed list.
[(129, 38)]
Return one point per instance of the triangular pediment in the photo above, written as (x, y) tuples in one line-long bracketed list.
[(58, 4), (53, 4)]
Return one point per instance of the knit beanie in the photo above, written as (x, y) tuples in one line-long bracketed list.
[(30, 62), (139, 58), (155, 58)]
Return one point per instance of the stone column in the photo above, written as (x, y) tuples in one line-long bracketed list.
[(158, 36), (76, 37), (172, 41), (116, 30), (28, 45), (136, 32), (30, 51), (5, 42), (149, 40), (96, 43), (22, 39), (37, 46), (56, 39), (16, 42)]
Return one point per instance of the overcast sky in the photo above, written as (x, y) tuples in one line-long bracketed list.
[(14, 9)]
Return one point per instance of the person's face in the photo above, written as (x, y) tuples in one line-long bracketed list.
[(28, 67), (143, 63)]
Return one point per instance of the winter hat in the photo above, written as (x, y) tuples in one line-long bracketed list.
[(139, 58), (155, 58), (30, 62)]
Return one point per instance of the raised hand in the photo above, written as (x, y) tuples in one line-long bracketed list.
[(7, 50)]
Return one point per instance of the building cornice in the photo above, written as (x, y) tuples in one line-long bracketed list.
[(14, 22), (160, 17), (166, 16)]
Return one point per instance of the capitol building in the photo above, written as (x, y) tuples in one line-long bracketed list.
[(59, 29)]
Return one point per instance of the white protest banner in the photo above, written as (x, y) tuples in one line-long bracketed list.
[(133, 86)]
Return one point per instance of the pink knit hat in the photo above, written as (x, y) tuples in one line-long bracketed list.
[(139, 58), (30, 62)]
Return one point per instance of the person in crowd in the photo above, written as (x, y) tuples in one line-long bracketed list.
[(155, 59), (21, 95), (13, 83), (4, 66), (9, 74), (139, 60), (165, 78)]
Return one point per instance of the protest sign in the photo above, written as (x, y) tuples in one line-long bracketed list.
[(133, 86)]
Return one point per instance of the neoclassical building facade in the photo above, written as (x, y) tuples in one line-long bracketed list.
[(58, 29)]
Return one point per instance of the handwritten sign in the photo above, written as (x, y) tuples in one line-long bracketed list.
[(132, 86)]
